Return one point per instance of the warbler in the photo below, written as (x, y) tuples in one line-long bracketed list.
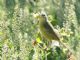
[(47, 30)]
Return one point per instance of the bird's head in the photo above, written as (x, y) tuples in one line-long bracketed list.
[(40, 17)]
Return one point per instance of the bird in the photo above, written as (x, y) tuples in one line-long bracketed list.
[(47, 30)]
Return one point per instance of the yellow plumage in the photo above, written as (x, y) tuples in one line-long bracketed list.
[(46, 29)]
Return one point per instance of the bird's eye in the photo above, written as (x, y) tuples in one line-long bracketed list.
[(43, 15)]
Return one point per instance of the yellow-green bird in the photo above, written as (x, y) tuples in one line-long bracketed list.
[(47, 30)]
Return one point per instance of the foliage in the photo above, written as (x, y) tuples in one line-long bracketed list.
[(20, 38)]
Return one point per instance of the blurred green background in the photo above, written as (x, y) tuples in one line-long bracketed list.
[(19, 35)]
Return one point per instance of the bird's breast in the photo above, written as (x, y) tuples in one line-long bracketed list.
[(47, 31)]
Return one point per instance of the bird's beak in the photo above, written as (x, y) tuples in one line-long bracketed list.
[(36, 16)]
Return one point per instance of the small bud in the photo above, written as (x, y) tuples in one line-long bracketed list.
[(34, 42)]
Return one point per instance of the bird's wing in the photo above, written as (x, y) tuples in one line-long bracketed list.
[(50, 29)]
